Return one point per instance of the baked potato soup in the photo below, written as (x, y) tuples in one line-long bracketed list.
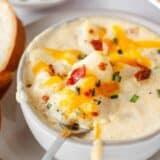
[(99, 73)]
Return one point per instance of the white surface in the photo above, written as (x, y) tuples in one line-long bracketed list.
[(140, 7), (70, 150)]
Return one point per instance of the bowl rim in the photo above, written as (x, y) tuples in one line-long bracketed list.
[(36, 3), (142, 21)]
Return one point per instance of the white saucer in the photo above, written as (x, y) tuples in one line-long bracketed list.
[(16, 140), (39, 4)]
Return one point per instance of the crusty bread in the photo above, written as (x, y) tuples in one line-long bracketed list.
[(12, 39)]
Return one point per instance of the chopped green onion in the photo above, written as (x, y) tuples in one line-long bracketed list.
[(49, 105), (82, 56), (116, 77), (156, 67), (78, 112), (78, 90), (158, 92), (134, 98), (115, 40), (158, 51), (114, 96), (98, 83), (120, 51), (97, 101), (93, 92)]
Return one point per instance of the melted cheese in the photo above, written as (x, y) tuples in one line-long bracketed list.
[(69, 56), (131, 57), (71, 101), (131, 54), (39, 67), (52, 81), (98, 130)]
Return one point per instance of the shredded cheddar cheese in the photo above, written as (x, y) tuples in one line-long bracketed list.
[(148, 44), (131, 57), (69, 56), (40, 66), (71, 101), (131, 50), (101, 32), (52, 81), (88, 83)]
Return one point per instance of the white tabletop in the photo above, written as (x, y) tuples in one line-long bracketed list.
[(140, 7)]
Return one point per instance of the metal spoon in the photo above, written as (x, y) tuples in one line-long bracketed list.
[(75, 131)]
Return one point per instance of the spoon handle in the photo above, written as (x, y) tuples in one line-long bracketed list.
[(97, 150), (49, 155)]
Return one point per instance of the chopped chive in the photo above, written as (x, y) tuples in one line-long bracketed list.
[(97, 101), (134, 98), (114, 96), (98, 83), (156, 67), (78, 90), (78, 112), (82, 56), (158, 51), (93, 92), (116, 77), (49, 105), (120, 51), (115, 40), (158, 92)]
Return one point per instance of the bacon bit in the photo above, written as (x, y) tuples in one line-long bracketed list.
[(95, 114), (97, 45), (45, 98), (102, 66), (76, 75), (91, 31), (143, 74), (88, 93), (51, 70)]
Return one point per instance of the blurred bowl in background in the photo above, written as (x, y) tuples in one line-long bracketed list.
[(35, 4)]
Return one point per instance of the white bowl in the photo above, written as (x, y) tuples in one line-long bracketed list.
[(27, 4), (156, 3), (139, 149)]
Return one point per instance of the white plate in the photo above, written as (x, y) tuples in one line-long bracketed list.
[(155, 3), (16, 141), (37, 4)]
